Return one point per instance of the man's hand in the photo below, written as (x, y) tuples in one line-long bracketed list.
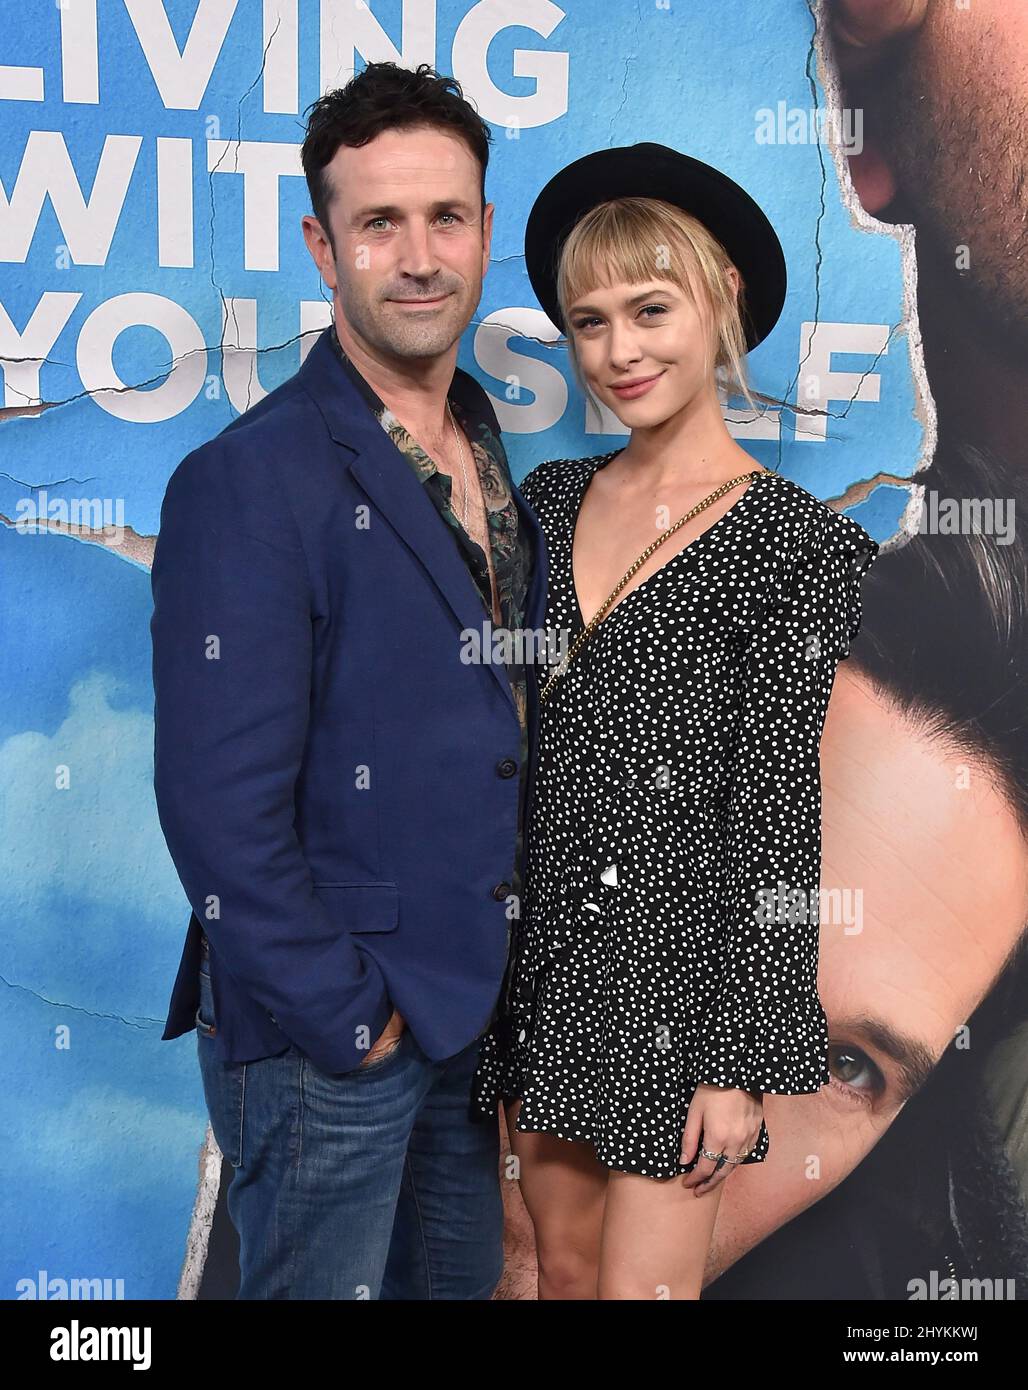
[(389, 1039), (729, 1121)]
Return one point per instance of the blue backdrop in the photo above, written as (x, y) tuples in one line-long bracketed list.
[(155, 283)]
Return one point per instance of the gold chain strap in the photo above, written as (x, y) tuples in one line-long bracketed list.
[(587, 632)]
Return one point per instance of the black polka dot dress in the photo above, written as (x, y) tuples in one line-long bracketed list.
[(669, 934)]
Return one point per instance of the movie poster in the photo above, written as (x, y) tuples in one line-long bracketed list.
[(155, 286)]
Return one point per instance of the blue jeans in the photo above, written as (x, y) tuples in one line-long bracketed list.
[(373, 1183)]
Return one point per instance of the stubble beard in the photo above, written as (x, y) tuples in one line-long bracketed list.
[(410, 335)]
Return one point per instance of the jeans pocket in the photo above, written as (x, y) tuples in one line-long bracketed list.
[(206, 1022), (224, 1083), (224, 1089)]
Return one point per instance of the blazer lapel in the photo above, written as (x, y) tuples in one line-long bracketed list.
[(389, 481)]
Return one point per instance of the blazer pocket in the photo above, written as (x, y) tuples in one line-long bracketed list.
[(361, 907)]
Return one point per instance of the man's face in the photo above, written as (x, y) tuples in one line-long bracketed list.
[(411, 242), (948, 121)]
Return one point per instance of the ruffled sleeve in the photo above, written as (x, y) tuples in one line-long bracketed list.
[(766, 1030)]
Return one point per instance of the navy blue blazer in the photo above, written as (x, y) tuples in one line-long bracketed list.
[(337, 788)]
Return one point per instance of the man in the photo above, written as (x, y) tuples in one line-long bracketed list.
[(342, 794), (944, 94)]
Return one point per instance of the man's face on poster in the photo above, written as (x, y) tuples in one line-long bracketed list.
[(946, 112)]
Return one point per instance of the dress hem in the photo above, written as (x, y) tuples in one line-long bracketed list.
[(681, 1171)]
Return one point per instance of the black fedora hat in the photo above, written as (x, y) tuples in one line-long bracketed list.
[(655, 171)]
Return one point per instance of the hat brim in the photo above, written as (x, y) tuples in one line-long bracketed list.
[(655, 171)]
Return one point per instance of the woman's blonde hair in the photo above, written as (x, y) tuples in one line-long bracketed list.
[(633, 240)]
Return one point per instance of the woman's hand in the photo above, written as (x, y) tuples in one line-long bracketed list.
[(729, 1121)]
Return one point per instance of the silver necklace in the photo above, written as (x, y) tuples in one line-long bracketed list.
[(464, 471)]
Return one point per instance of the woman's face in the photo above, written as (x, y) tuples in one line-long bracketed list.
[(644, 350), (931, 879)]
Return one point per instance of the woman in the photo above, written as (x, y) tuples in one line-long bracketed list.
[(664, 977)]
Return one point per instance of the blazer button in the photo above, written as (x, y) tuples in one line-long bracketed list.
[(501, 891), (507, 767)]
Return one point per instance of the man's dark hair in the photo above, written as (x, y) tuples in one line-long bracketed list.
[(385, 97)]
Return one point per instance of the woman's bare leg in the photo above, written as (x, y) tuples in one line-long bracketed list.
[(656, 1238), (563, 1186)]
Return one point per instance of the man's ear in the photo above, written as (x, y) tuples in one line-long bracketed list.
[(320, 249), (487, 234)]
